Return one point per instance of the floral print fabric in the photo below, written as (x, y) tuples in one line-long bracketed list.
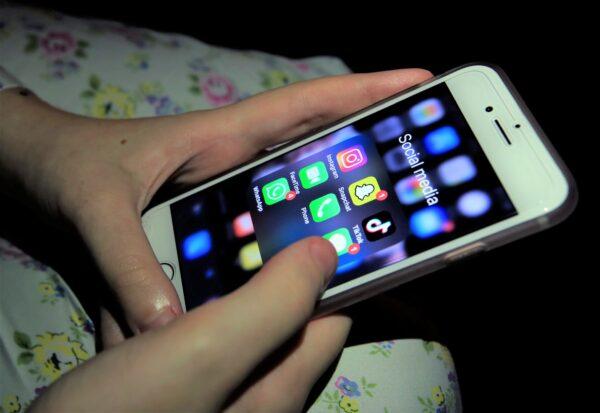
[(107, 70), (392, 376)]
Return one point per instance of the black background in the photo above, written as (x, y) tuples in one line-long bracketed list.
[(518, 320)]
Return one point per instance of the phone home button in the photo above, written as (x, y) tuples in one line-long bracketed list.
[(168, 269)]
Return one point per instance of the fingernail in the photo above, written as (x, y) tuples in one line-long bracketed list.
[(324, 254), (164, 317)]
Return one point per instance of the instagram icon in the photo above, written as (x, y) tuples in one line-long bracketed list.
[(351, 158)]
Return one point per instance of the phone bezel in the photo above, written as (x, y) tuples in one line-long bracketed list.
[(546, 197)]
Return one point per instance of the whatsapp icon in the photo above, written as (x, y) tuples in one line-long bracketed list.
[(275, 191)]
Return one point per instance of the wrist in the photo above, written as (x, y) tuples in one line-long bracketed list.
[(30, 130)]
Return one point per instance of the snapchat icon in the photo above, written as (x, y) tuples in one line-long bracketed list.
[(364, 190)]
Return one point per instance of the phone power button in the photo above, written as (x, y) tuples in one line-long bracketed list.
[(168, 269), (464, 252)]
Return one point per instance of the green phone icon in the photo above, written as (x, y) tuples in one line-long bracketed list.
[(275, 191), (313, 175), (323, 208)]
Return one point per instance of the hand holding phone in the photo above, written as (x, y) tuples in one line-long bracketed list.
[(101, 174)]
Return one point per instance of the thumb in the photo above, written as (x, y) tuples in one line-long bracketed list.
[(259, 317), (115, 237)]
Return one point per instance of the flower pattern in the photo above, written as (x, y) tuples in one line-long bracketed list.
[(52, 355), (347, 387), (60, 49)]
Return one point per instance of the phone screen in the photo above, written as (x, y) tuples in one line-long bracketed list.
[(391, 185)]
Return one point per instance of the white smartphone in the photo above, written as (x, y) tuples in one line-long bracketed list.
[(448, 168)]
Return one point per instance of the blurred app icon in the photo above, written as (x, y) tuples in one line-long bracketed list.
[(441, 140), (474, 203), (426, 112), (324, 208), (242, 225), (340, 239), (430, 221), (197, 245), (409, 191), (351, 158), (395, 159), (457, 170), (378, 226), (388, 129), (364, 190), (249, 257), (275, 191), (313, 175)]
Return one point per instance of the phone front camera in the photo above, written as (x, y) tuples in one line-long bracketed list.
[(489, 109)]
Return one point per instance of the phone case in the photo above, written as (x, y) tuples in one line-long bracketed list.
[(485, 244)]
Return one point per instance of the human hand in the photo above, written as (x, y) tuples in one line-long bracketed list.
[(219, 356), (100, 174)]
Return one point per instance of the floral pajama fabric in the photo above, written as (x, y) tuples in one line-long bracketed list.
[(107, 70)]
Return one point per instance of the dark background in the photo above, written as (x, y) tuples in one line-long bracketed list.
[(518, 320)]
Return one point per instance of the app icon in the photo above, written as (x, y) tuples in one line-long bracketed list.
[(340, 239), (426, 112), (323, 208), (313, 175), (474, 203), (197, 245), (430, 221), (388, 129), (441, 140), (457, 170), (378, 226), (242, 225), (409, 191), (275, 191), (395, 159), (364, 191), (249, 257), (351, 158)]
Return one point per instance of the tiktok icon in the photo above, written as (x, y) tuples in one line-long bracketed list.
[(379, 225)]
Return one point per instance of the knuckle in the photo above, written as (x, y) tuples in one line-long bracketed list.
[(132, 271)]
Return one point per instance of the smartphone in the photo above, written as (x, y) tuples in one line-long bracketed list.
[(449, 168)]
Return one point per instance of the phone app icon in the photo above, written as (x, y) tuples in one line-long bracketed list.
[(197, 245), (242, 225), (275, 191), (378, 226), (313, 175), (249, 257), (388, 129), (324, 208), (351, 158), (426, 112), (409, 191), (457, 170), (441, 140), (430, 221), (364, 190), (474, 203), (340, 239)]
